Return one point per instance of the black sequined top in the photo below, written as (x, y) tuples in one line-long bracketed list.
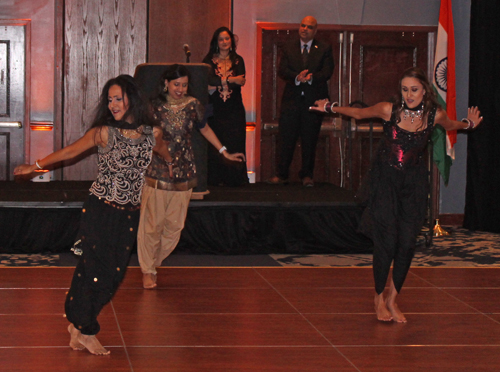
[(400, 148), (122, 165)]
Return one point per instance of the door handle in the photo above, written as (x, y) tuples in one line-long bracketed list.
[(11, 124), (341, 45), (351, 41)]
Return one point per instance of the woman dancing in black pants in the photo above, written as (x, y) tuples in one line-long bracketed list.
[(397, 184), (123, 133)]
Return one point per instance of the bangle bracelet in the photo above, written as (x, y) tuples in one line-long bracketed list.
[(329, 106), (470, 124), (38, 165), (169, 162), (222, 149)]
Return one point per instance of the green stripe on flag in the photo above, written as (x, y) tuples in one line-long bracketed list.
[(439, 154)]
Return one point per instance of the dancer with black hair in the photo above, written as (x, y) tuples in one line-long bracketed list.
[(123, 132), (397, 187)]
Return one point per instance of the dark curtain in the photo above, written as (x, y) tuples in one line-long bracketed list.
[(208, 230), (482, 201)]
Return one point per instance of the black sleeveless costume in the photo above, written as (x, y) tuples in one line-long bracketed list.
[(395, 194)]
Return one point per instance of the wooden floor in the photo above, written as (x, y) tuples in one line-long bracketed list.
[(258, 319)]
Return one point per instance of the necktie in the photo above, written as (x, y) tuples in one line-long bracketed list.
[(305, 54)]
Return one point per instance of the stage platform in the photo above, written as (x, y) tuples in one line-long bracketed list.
[(253, 219)]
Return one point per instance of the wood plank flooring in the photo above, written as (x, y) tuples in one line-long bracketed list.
[(258, 319)]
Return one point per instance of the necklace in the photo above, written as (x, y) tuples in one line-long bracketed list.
[(223, 58), (415, 113), (130, 133), (412, 114)]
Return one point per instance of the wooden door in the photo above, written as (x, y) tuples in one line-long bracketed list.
[(375, 60), (368, 64)]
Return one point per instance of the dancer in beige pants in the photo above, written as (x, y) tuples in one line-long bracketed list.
[(169, 185)]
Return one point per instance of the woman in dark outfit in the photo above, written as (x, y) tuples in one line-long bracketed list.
[(397, 185), (123, 133), (227, 76)]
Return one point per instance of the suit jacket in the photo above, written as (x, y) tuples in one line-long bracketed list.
[(319, 62)]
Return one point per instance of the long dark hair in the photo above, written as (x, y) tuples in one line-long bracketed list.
[(429, 100), (138, 107), (174, 72), (214, 45)]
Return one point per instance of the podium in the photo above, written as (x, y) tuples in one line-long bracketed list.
[(148, 76)]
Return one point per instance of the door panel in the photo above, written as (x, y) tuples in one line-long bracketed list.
[(368, 63), (12, 105), (379, 58)]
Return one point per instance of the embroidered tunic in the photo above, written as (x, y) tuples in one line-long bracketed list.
[(122, 164), (178, 119)]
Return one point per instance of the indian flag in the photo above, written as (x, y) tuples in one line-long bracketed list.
[(444, 85)]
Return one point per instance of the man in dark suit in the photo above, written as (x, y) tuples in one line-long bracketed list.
[(306, 65)]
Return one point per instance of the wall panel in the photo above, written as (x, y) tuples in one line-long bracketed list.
[(102, 40), (175, 23)]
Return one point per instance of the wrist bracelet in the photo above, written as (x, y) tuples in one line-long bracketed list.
[(38, 165), (222, 149), (329, 106), (470, 124), (169, 162)]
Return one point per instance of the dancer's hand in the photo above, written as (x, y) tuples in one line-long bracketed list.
[(237, 156), (24, 169), (319, 105), (474, 115)]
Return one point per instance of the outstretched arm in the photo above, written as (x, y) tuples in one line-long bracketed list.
[(473, 119), (94, 137), (381, 110), (209, 134)]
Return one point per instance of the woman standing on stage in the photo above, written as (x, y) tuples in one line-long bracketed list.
[(397, 186), (123, 133), (227, 76), (166, 195)]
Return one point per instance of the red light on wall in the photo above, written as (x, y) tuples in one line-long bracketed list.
[(42, 127), (250, 127)]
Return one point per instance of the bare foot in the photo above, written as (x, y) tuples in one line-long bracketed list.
[(73, 342), (149, 281), (397, 315), (383, 313), (93, 345)]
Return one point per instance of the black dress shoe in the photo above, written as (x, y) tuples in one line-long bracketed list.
[(307, 182), (277, 181)]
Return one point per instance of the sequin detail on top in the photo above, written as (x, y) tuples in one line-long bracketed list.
[(178, 119), (401, 148), (122, 165)]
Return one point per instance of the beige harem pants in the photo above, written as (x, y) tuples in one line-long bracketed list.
[(163, 214)]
